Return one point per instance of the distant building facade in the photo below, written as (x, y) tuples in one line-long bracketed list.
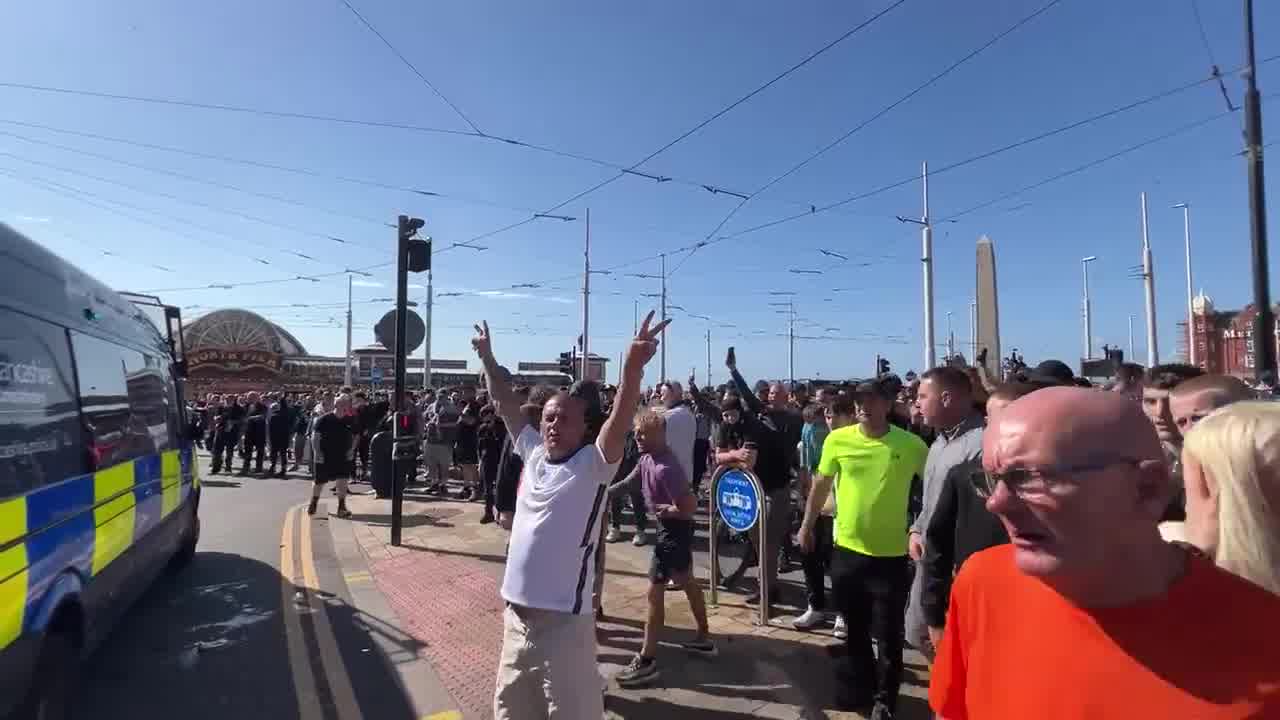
[(1223, 339), (235, 351)]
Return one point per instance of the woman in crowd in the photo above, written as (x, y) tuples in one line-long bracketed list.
[(1231, 473)]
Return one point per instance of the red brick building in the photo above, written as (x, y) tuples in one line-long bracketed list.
[(1224, 338)]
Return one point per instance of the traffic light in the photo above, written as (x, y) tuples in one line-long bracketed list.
[(566, 363), (417, 250), (883, 367)]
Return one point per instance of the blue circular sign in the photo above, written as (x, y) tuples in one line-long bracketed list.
[(738, 500)]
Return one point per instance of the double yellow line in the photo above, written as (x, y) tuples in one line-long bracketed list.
[(299, 598)]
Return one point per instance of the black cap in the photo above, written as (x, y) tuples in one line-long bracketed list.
[(886, 387), (1049, 372)]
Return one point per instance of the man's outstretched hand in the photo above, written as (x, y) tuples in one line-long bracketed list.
[(645, 344), (481, 343)]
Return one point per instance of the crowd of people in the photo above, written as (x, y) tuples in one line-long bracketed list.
[(1052, 547)]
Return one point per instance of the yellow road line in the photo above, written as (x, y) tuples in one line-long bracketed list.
[(357, 577), (335, 670), (304, 680), (446, 715)]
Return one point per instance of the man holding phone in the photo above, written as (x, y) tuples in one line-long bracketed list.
[(771, 452)]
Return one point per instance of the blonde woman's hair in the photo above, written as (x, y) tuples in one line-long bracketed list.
[(1238, 446)]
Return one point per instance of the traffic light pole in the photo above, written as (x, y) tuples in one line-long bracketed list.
[(398, 432), (404, 439)]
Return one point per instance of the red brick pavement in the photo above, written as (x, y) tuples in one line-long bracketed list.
[(452, 605)]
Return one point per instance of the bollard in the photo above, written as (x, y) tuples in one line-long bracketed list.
[(763, 548), (745, 512)]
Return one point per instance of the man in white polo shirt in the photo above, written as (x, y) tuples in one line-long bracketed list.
[(548, 664)]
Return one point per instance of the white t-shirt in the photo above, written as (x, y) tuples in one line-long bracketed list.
[(556, 530), (682, 429)]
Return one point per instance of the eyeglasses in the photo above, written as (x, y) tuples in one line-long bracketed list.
[(1036, 483)]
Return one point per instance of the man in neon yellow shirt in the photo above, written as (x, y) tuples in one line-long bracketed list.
[(873, 466)]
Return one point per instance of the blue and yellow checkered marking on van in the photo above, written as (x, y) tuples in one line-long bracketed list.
[(83, 524)]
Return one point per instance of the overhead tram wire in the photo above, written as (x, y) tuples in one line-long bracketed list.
[(881, 113), (1182, 129), (108, 205), (975, 158), (634, 168), (900, 183), (198, 180), (197, 203), (413, 68), (713, 188)]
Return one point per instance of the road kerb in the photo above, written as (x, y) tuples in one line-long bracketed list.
[(304, 681), (335, 670), (427, 693)]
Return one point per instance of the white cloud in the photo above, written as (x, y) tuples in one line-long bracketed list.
[(32, 219), (416, 286), (504, 295), (366, 283)]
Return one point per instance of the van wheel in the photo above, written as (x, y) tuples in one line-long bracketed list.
[(56, 680), (187, 551)]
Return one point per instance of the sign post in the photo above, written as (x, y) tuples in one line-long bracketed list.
[(737, 500)]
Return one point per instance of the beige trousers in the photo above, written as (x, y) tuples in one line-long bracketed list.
[(547, 670)]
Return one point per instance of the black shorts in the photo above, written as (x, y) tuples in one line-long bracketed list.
[(673, 552)]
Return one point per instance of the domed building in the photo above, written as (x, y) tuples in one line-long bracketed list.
[(235, 350)]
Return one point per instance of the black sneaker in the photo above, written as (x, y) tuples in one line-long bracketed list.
[(705, 648), (311, 508), (486, 519), (642, 670), (881, 712), (343, 512)]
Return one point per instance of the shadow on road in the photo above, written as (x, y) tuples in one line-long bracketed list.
[(211, 642)]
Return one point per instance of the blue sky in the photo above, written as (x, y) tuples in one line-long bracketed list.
[(616, 82)]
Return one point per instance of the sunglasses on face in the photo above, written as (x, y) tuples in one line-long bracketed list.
[(1036, 483)]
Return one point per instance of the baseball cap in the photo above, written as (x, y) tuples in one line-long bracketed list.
[(884, 386), (1049, 372)]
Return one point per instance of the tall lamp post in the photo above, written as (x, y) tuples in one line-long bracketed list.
[(1191, 315), (1088, 311), (1264, 348)]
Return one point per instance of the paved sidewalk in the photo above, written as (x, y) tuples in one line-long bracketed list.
[(442, 585)]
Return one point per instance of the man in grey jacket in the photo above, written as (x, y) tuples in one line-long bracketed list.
[(945, 401)]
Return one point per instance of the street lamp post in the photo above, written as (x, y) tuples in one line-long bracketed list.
[(1088, 315), (1264, 349), (1191, 316)]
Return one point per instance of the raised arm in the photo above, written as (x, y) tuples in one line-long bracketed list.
[(505, 402), (613, 436), (749, 399)]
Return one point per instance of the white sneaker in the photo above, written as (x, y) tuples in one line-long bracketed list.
[(809, 620), (640, 540), (841, 630), (613, 536)]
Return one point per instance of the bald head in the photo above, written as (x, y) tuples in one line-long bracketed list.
[(1070, 425), (1078, 479), (1193, 399)]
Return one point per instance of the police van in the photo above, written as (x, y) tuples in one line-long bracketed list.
[(98, 484)]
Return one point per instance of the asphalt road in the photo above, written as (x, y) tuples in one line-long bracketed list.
[(228, 637)]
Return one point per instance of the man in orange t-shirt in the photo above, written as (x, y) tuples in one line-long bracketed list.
[(1087, 613)]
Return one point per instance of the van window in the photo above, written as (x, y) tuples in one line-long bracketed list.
[(40, 436), (125, 398)]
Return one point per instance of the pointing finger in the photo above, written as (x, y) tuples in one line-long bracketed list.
[(644, 326), (486, 327), (478, 330)]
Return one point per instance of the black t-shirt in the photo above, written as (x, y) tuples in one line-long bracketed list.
[(335, 447)]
